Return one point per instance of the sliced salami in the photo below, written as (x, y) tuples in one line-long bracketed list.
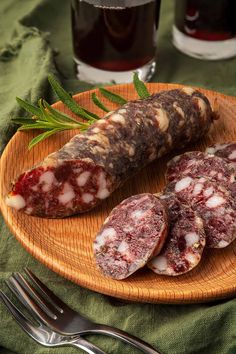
[(134, 232), (92, 165), (226, 151), (214, 204), (198, 164), (185, 243)]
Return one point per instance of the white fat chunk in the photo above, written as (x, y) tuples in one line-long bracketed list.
[(197, 189), (232, 177), (96, 130), (188, 90), (87, 197), (100, 121), (208, 192), (100, 138), (192, 258), (83, 178), (163, 119), (123, 247), (128, 228), (191, 238), (213, 173), (103, 192), (137, 214), (46, 179), (210, 151), (202, 105), (215, 201), (46, 187), (131, 151), (118, 118), (67, 194), (122, 111), (178, 109), (202, 180), (169, 140), (15, 201), (102, 180), (159, 262), (107, 234), (183, 183), (223, 244), (34, 188), (232, 156)]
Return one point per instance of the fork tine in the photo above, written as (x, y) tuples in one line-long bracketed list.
[(24, 322), (46, 292), (24, 298), (17, 295), (50, 311)]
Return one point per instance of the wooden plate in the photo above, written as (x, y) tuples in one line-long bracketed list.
[(65, 246)]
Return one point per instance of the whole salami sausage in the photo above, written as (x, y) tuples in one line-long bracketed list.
[(185, 243), (214, 204), (92, 165), (134, 232)]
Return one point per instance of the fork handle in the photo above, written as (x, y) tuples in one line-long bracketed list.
[(125, 337), (86, 346)]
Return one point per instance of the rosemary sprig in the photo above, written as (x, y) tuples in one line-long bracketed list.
[(99, 103), (113, 97), (140, 87), (66, 98), (29, 108), (51, 121), (48, 119), (41, 137)]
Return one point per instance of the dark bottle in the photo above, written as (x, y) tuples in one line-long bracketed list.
[(115, 36)]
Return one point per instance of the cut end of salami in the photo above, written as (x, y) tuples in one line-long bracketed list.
[(214, 204), (133, 233), (198, 164), (60, 189), (186, 240)]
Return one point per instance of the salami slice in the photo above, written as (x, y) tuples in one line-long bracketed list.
[(134, 232), (186, 240), (93, 164), (226, 151), (214, 204), (198, 164)]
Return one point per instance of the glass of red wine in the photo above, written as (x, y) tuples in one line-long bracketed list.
[(114, 38), (205, 29)]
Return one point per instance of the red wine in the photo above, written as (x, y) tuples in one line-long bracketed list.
[(115, 35), (211, 20)]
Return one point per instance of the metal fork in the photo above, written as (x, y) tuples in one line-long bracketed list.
[(45, 336), (55, 314)]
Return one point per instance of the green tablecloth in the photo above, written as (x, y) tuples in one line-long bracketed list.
[(35, 39)]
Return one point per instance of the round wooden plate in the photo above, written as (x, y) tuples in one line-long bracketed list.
[(65, 245)]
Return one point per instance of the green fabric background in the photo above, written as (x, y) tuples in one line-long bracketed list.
[(35, 39)]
